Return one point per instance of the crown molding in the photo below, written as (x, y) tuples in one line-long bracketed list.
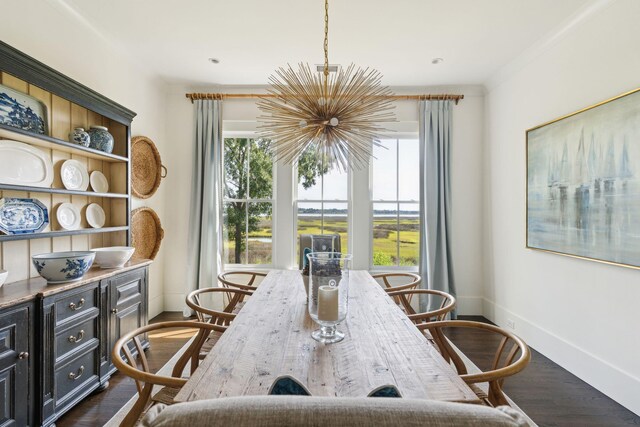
[(546, 43)]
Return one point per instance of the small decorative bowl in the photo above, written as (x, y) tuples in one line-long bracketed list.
[(62, 267), (113, 257), (3, 276)]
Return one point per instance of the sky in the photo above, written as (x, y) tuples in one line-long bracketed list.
[(387, 182)]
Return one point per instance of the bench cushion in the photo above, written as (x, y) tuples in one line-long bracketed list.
[(278, 411)]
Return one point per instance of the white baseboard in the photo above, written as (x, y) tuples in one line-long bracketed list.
[(619, 385), (470, 306)]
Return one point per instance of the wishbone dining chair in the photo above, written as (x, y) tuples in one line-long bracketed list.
[(244, 280), (222, 318), (129, 358), (504, 364)]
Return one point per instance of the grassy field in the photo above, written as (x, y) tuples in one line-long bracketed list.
[(385, 238)]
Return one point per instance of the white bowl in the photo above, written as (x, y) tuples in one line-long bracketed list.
[(113, 257), (61, 267), (3, 276)]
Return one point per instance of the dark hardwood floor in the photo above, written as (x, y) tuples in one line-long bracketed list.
[(98, 408), (549, 394)]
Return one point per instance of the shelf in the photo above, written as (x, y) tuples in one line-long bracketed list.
[(9, 187), (61, 233), (45, 141)]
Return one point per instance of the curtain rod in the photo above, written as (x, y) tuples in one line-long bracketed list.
[(222, 96)]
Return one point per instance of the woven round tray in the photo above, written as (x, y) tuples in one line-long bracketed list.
[(147, 170), (146, 232)]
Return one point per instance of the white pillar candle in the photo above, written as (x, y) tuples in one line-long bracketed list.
[(328, 303)]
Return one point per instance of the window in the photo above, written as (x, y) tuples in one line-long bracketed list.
[(395, 197), (323, 200), (247, 202)]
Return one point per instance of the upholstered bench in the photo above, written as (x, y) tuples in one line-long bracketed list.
[(279, 411)]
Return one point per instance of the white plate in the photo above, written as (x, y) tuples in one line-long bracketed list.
[(99, 182), (68, 216), (95, 215), (22, 164), (74, 175)]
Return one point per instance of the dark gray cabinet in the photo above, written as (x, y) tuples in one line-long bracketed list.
[(69, 342), (16, 373), (78, 329), (128, 303), (126, 310)]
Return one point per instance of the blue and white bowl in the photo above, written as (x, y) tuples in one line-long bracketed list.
[(62, 267)]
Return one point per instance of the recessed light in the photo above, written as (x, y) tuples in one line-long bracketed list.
[(437, 60), (214, 60)]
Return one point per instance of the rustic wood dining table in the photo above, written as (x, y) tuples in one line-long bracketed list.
[(271, 338)]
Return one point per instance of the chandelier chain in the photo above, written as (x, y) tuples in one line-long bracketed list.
[(326, 46)]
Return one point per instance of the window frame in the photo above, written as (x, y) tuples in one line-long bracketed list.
[(397, 203), (322, 202), (273, 201)]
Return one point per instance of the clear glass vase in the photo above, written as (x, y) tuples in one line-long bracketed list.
[(328, 293)]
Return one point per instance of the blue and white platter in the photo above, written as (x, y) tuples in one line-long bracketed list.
[(22, 216), (22, 111)]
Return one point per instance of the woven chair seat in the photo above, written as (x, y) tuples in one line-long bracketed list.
[(482, 395), (166, 395), (238, 307), (214, 336)]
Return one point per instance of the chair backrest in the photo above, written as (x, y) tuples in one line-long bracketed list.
[(205, 314), (446, 306), (128, 349), (317, 243), (398, 281), (504, 364), (246, 280)]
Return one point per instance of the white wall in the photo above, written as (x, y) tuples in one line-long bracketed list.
[(581, 314), (241, 115), (50, 34)]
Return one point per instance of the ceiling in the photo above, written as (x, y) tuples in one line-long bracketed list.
[(251, 38)]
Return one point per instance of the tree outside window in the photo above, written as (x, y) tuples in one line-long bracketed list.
[(248, 198)]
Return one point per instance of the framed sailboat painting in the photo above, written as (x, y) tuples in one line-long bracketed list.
[(583, 183)]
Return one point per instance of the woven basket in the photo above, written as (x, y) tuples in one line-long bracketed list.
[(146, 232), (147, 170)]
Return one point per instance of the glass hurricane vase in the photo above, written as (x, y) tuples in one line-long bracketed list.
[(328, 293)]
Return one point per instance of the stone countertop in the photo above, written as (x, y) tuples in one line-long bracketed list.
[(26, 290)]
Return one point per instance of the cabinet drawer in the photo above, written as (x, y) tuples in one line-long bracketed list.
[(78, 373), (75, 338), (75, 305)]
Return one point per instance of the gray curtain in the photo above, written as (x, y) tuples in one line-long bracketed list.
[(205, 220), (436, 266)]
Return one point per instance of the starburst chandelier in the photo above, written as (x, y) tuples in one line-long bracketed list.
[(336, 116)]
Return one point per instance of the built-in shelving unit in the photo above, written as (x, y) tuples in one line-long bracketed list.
[(50, 234), (9, 187), (44, 141), (68, 104)]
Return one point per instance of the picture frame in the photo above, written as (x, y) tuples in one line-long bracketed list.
[(583, 183)]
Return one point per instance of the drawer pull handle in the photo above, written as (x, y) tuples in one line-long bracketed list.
[(74, 375), (23, 355), (77, 338), (75, 307), (114, 310)]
